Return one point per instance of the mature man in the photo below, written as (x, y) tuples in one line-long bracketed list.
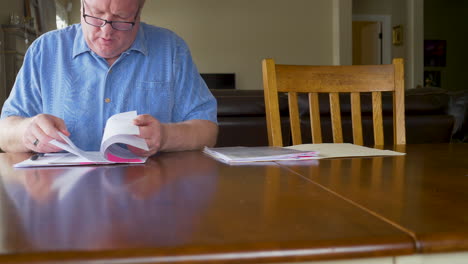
[(74, 79)]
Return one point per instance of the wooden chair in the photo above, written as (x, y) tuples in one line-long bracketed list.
[(294, 79)]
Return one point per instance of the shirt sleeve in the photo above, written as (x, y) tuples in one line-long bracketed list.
[(25, 97), (194, 99)]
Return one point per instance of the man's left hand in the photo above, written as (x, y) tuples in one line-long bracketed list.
[(152, 131)]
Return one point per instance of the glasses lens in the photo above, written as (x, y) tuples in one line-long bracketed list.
[(122, 25), (94, 21)]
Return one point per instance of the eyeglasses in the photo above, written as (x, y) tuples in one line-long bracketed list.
[(117, 25)]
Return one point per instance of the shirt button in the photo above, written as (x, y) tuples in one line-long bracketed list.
[(107, 100)]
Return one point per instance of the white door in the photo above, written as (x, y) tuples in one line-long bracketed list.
[(2, 70)]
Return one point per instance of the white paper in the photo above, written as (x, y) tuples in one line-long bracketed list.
[(244, 155), (120, 128), (341, 150)]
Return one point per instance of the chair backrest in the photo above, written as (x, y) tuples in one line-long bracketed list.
[(353, 79)]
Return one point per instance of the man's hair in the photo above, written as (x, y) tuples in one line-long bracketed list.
[(142, 3)]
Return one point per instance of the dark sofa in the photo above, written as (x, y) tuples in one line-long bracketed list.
[(433, 115)]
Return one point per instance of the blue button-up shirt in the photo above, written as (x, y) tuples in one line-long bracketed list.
[(63, 77)]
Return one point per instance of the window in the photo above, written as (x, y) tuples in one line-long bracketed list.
[(61, 14)]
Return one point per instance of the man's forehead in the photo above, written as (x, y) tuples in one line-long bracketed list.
[(112, 3)]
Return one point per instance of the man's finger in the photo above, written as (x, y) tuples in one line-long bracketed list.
[(60, 124), (142, 120), (47, 127)]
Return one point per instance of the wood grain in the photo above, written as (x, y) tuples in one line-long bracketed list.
[(423, 192), (182, 208)]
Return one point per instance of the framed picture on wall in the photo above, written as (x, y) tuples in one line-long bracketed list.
[(397, 35), (435, 52)]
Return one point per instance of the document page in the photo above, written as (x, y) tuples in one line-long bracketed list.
[(341, 150), (120, 128)]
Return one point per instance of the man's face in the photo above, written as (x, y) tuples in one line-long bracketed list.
[(106, 41)]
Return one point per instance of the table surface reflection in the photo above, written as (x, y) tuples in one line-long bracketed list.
[(187, 207)]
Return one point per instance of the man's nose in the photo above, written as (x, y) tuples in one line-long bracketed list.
[(107, 28)]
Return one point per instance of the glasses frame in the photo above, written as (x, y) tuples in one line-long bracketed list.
[(111, 22)]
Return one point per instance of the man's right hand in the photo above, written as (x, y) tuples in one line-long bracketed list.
[(42, 129)]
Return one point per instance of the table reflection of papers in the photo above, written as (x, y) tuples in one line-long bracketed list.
[(155, 204)]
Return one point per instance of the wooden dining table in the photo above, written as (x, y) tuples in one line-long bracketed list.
[(185, 207)]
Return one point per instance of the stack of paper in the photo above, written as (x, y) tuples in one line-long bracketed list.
[(239, 155), (253, 154)]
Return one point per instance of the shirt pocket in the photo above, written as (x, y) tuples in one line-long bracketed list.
[(154, 98)]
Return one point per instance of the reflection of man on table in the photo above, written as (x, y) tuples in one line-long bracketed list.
[(158, 204), (74, 79)]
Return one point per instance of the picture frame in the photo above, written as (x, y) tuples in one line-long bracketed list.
[(435, 52), (397, 35)]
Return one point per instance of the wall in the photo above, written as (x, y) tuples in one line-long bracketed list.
[(342, 29), (446, 20), (75, 15), (234, 36), (7, 7), (397, 9)]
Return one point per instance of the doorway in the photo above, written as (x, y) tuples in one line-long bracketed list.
[(371, 39), (367, 43)]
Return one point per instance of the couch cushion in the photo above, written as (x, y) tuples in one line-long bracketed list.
[(417, 102), (244, 103), (419, 129), (247, 131), (426, 101)]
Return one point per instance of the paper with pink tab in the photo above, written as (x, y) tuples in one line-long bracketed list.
[(118, 132)]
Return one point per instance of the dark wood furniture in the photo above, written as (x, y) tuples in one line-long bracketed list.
[(14, 41), (187, 208)]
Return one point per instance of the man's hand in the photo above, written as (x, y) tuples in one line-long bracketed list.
[(152, 131), (187, 135), (40, 130)]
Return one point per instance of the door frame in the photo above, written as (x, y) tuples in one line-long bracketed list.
[(386, 23)]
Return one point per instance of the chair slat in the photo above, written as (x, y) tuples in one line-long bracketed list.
[(314, 113), (294, 118), (356, 118), (399, 132), (336, 117), (377, 118)]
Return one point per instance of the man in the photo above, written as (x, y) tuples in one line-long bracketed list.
[(74, 79)]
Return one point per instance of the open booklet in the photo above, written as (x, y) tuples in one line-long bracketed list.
[(119, 129), (243, 155)]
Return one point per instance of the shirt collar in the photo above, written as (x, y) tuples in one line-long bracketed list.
[(80, 46), (140, 44)]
